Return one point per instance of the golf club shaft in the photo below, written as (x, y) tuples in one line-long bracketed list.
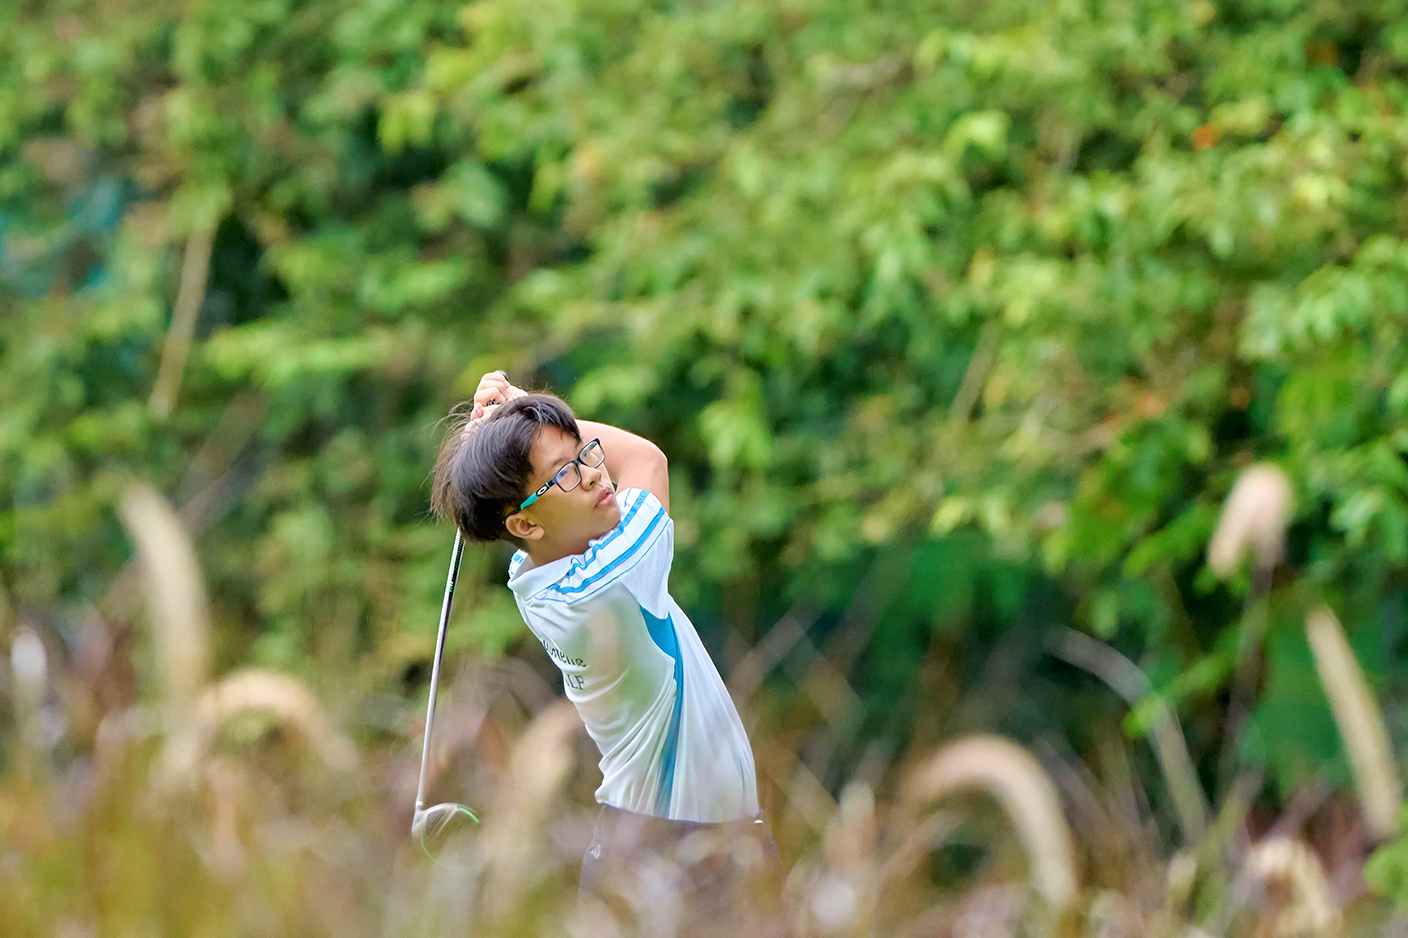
[(435, 668)]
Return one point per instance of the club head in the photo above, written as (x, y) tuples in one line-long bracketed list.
[(435, 820)]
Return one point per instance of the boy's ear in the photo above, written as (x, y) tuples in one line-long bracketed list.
[(522, 528)]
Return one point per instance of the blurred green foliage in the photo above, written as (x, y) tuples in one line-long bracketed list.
[(956, 321)]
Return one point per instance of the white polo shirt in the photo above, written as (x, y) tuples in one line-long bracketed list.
[(671, 742)]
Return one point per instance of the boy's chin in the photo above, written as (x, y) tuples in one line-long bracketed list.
[(609, 516)]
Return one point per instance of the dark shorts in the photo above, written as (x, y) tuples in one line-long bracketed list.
[(682, 879)]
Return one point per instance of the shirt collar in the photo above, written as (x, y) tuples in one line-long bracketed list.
[(527, 580)]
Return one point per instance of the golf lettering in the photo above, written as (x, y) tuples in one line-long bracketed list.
[(562, 659)]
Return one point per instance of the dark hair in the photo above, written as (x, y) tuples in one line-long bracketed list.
[(482, 470)]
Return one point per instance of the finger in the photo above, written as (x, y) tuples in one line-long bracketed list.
[(490, 399), (493, 385), (491, 394)]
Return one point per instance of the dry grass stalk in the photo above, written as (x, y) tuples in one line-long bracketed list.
[(292, 705), (29, 685), (979, 367), (1359, 720), (195, 270), (1180, 880), (1288, 863), (7, 611), (225, 784), (838, 896), (29, 665), (990, 911), (1026, 794), (850, 837), (176, 601), (513, 830), (1254, 518), (1126, 679)]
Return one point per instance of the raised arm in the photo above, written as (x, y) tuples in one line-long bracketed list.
[(633, 461)]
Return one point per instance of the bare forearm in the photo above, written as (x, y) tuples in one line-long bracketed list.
[(633, 461)]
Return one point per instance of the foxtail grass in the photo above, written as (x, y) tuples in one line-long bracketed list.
[(1254, 519), (1287, 865), (1360, 722), (1026, 794), (1126, 679), (176, 601), (514, 828), (287, 700)]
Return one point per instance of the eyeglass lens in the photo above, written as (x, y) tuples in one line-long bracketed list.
[(570, 475)]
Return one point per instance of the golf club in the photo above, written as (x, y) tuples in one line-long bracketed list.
[(436, 818)]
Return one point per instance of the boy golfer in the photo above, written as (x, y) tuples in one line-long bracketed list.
[(679, 836)]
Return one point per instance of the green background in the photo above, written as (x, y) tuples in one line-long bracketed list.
[(957, 322)]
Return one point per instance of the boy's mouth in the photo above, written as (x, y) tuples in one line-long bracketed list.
[(606, 496)]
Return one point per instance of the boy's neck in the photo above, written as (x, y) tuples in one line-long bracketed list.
[(542, 554)]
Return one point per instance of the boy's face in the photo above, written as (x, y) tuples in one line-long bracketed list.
[(568, 519)]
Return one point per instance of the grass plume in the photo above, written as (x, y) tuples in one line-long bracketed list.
[(1019, 784), (285, 698), (1126, 679), (176, 601), (520, 814), (1359, 720), (1254, 519), (1287, 865)]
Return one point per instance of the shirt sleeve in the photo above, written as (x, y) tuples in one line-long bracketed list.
[(638, 552)]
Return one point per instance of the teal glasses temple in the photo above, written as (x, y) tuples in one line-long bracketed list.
[(590, 455)]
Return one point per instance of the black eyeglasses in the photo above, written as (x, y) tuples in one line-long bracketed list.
[(570, 476)]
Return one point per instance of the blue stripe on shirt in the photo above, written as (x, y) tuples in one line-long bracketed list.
[(595, 550), (662, 632), (625, 555), (579, 564)]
